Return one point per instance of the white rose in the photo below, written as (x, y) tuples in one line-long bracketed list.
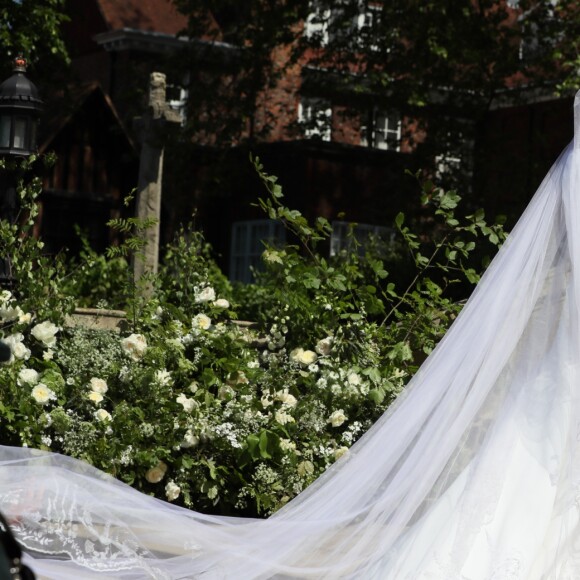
[(10, 313), (42, 394), (5, 296), (337, 418), (305, 468), (201, 322), (207, 294), (221, 303), (25, 317), (324, 346), (188, 404), (303, 357), (162, 377), (95, 397), (134, 346), (338, 453), (172, 491), (193, 386), (189, 440), (20, 351), (98, 385), (45, 332), (354, 379), (286, 398), (28, 377), (266, 401), (157, 473), (47, 354), (103, 416)]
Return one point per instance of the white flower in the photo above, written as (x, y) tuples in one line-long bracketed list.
[(338, 453), (254, 364), (17, 347), (354, 379), (157, 473), (337, 418), (303, 357), (206, 294), (25, 317), (20, 351), (134, 346), (201, 322), (282, 417), (47, 354), (324, 346), (45, 332), (42, 394), (189, 440), (103, 416), (172, 491), (28, 377), (193, 386), (5, 296), (305, 468), (9, 313), (188, 404), (98, 385), (286, 398), (221, 303), (162, 377), (266, 401), (225, 392), (212, 492), (95, 397)]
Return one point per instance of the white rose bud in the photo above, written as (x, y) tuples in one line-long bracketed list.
[(337, 418)]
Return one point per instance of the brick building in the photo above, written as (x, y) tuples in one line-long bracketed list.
[(330, 161)]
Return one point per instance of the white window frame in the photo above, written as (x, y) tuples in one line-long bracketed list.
[(385, 124), (366, 19), (317, 23), (248, 244), (315, 118), (180, 103), (340, 240)]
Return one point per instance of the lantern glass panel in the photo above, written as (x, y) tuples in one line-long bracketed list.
[(20, 133), (5, 131)]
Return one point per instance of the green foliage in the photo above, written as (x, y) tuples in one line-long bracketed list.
[(196, 408)]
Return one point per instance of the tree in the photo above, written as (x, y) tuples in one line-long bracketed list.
[(32, 28)]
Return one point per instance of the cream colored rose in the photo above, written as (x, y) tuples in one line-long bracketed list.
[(207, 294), (338, 453), (45, 332), (201, 322), (157, 473), (172, 491), (20, 351), (28, 377), (286, 398), (95, 397), (221, 303), (134, 346), (189, 440), (303, 357), (324, 346), (337, 418), (98, 385), (188, 404), (103, 416), (42, 394)]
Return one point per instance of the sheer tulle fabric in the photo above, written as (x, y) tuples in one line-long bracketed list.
[(473, 474)]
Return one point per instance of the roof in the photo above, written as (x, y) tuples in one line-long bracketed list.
[(148, 15)]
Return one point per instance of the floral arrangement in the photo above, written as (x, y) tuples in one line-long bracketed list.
[(192, 406)]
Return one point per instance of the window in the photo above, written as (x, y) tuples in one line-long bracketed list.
[(382, 130), (247, 246), (176, 96), (367, 23), (315, 117), (316, 25), (340, 240)]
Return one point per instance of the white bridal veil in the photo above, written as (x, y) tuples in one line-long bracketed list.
[(473, 474)]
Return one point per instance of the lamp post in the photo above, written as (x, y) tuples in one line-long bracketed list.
[(20, 108)]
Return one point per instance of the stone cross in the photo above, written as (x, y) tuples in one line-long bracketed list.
[(151, 132)]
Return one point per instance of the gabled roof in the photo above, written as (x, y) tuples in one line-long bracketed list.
[(147, 15)]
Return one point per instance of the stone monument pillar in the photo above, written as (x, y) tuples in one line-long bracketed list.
[(151, 128)]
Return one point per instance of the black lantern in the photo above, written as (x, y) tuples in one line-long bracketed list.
[(20, 109)]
